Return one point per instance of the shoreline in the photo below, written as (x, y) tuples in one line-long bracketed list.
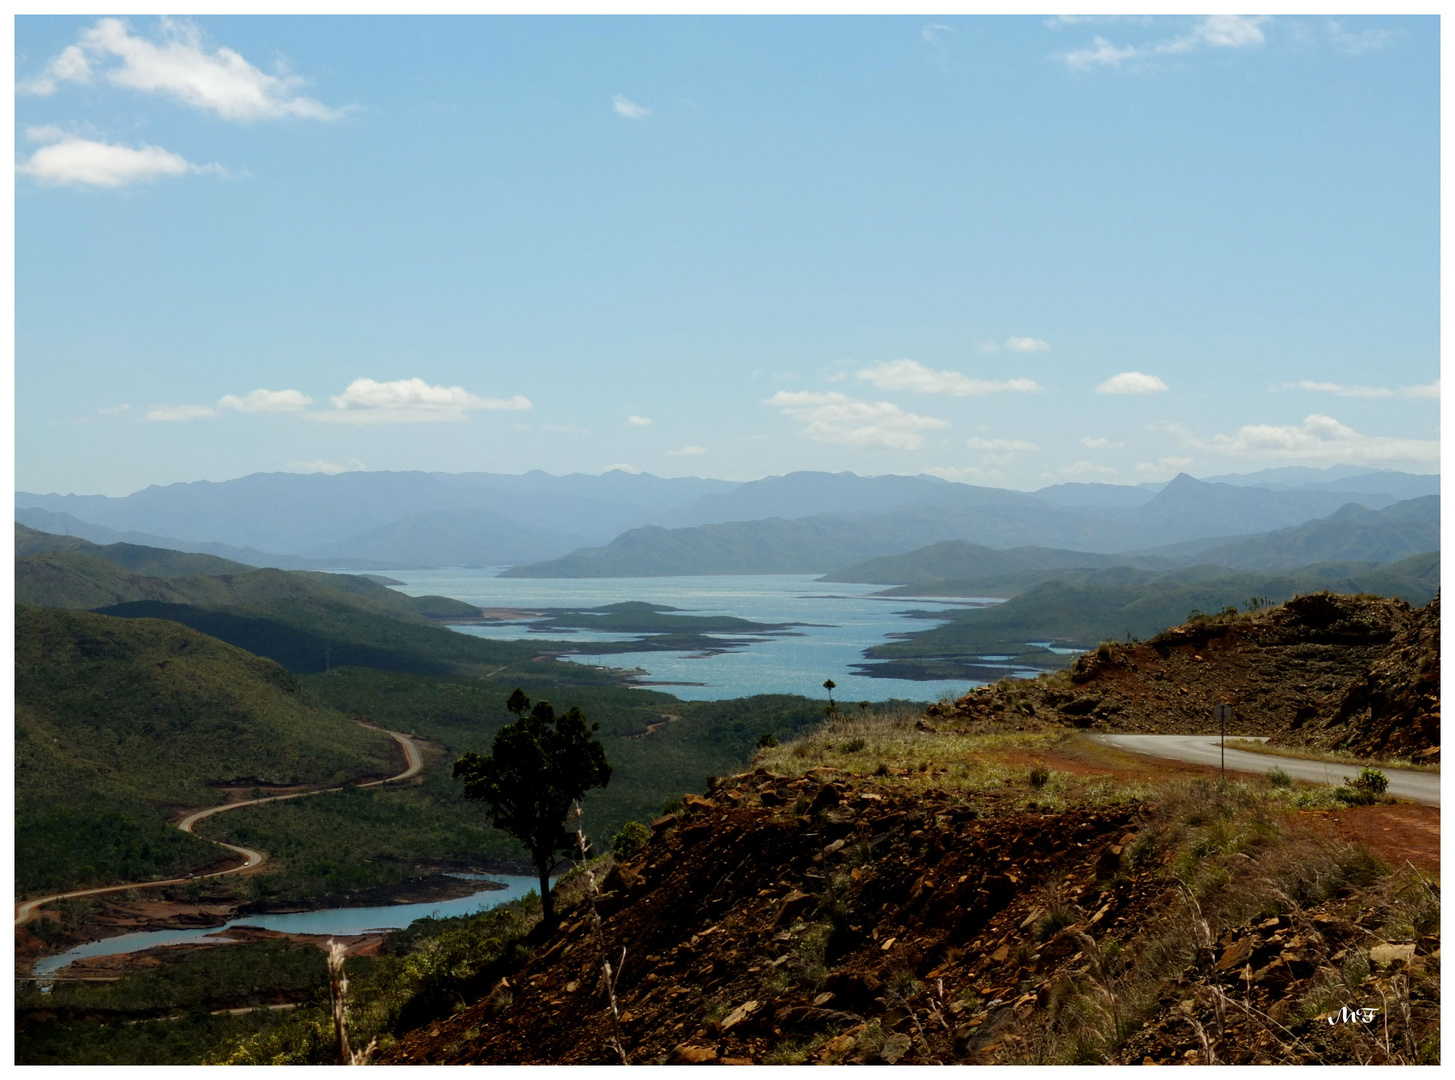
[(118, 918)]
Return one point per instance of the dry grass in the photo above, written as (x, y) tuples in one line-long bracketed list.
[(1336, 757), (889, 749), (1234, 859)]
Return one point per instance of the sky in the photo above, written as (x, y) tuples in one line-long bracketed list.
[(1008, 251)]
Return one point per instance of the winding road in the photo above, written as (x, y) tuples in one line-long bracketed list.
[(25, 910), (1420, 787)]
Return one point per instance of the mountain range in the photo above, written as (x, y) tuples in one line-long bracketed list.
[(637, 524)]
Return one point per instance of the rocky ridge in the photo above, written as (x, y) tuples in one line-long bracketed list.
[(829, 919), (1351, 672)]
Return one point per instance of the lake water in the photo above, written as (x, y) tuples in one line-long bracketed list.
[(847, 618), (354, 920)]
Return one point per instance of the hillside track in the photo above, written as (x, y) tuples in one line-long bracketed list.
[(1420, 787), (25, 910)]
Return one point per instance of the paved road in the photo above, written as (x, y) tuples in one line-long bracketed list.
[(1408, 784), (25, 910)]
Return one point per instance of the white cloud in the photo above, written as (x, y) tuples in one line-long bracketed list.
[(178, 66), (1081, 468), (1213, 31), (975, 442), (1351, 42), (406, 401), (1057, 22), (1321, 439), (689, 451), (330, 468), (625, 106), (1231, 31), (69, 65), (639, 421), (1097, 443), (266, 401), (1428, 390), (1026, 344), (77, 162), (910, 375), (838, 418), (1100, 52), (1132, 382), (178, 412)]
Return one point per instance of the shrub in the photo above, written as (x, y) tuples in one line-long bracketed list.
[(1039, 775), (767, 741), (630, 839), (1373, 781), (853, 746), (1279, 778)]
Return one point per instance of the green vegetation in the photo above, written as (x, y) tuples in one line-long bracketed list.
[(425, 972), (536, 771), (119, 720), (164, 1015), (306, 621), (332, 844), (1080, 615), (135, 558)]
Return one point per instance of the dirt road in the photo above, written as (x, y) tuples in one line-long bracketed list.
[(1417, 787), (25, 910)]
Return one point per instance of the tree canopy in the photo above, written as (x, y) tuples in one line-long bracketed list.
[(538, 766)]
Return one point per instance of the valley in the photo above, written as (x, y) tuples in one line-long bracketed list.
[(148, 678)]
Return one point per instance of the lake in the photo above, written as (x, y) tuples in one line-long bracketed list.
[(846, 618), (342, 921)]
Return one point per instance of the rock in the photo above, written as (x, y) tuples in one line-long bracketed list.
[(738, 1015), (692, 1055), (894, 1048), (697, 802), (1387, 955), (793, 905)]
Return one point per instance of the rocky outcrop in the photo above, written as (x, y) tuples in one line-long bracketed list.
[(1393, 709), (1359, 673)]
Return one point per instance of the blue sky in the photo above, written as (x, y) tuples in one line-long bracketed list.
[(1009, 251)]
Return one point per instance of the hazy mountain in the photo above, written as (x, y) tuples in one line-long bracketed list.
[(956, 559), (1350, 534), (1185, 509), (409, 519), (62, 524), (292, 513), (453, 538), (1107, 495), (1351, 479), (810, 494)]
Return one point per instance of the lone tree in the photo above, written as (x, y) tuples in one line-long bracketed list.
[(537, 767)]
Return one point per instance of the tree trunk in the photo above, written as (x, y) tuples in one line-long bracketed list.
[(548, 902)]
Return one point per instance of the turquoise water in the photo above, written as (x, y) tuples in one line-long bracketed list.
[(846, 620), (330, 921)]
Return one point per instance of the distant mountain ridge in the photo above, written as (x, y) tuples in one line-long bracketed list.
[(581, 525)]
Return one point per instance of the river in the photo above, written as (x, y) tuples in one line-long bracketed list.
[(351, 920)]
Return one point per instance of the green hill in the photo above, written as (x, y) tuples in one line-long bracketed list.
[(953, 560), (150, 561), (1077, 614), (307, 621), (119, 722)]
